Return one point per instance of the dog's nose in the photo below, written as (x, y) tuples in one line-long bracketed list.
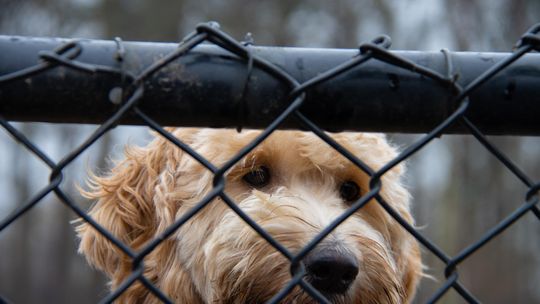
[(329, 271)]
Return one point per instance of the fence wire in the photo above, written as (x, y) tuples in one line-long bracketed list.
[(134, 90)]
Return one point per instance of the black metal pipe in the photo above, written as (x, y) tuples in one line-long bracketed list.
[(205, 87)]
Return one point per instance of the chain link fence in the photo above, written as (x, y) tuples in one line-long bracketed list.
[(130, 88)]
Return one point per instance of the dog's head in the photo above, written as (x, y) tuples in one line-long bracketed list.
[(292, 185)]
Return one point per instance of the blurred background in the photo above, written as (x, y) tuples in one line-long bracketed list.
[(459, 189)]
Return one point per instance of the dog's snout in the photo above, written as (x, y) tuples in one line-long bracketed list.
[(331, 272)]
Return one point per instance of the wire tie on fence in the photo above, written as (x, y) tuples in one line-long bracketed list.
[(243, 98), (120, 50), (452, 75), (248, 39), (116, 94)]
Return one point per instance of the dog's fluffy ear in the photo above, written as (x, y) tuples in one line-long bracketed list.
[(376, 151), (126, 204), (405, 247)]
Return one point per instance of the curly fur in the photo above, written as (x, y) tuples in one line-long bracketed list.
[(217, 258)]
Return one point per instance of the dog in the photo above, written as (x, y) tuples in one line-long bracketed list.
[(292, 185)]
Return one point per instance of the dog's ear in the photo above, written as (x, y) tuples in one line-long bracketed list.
[(405, 247), (409, 264), (126, 204), (376, 151)]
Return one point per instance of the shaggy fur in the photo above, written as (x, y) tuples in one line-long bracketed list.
[(217, 258)]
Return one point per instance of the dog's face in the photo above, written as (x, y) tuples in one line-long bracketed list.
[(293, 185)]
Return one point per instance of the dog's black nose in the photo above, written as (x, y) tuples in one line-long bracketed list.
[(329, 271)]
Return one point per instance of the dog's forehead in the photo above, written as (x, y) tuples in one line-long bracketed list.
[(229, 137), (292, 148), (292, 142), (288, 147), (234, 141)]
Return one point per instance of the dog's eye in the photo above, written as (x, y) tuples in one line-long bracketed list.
[(349, 191), (258, 177)]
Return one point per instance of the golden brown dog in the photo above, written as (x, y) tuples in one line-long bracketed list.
[(293, 185)]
